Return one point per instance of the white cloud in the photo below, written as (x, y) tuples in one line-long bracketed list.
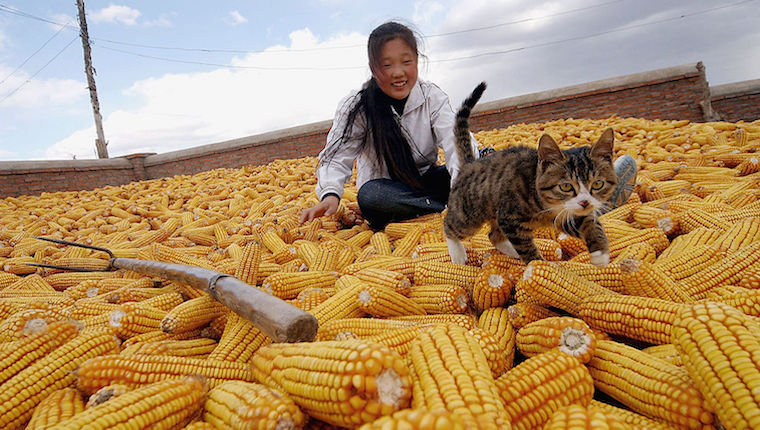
[(425, 10), (37, 93), (116, 14), (64, 20), (235, 18), (161, 21), (186, 110)]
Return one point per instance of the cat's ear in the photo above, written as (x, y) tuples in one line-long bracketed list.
[(549, 152), (603, 147)]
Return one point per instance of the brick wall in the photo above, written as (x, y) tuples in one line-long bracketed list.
[(678, 92), (737, 102)]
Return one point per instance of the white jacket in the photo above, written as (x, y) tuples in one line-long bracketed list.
[(427, 123)]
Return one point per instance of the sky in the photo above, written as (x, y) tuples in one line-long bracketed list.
[(175, 74)]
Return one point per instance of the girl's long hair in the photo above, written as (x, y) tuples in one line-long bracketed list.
[(383, 133)]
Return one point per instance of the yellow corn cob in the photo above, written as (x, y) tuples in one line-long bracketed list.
[(168, 228), (342, 304), (547, 284), (360, 327), (192, 314), (137, 294), (622, 212), (105, 394), (540, 385), (450, 371), (381, 243), (31, 283), (749, 166), (440, 298), (245, 405), (643, 279), (648, 385), (21, 393), (249, 262), (666, 351), (40, 338), (18, 266), (642, 318), (445, 273), (608, 276), (84, 308), (325, 260), (395, 280), (417, 419), (571, 245), (684, 264), (90, 263), (496, 322), (135, 318), (698, 237), (157, 335), (62, 281), (695, 218), (403, 247), (663, 189), (523, 313), (287, 285), (59, 406), (616, 229), (345, 383), (492, 288), (466, 321), (193, 348), (570, 335), (19, 324), (739, 235), (403, 265), (633, 419), (577, 417), (309, 298), (89, 289), (7, 279), (167, 301), (720, 349), (239, 341), (199, 425), (161, 405), (137, 370), (550, 249), (380, 301), (727, 271), (750, 278), (494, 349), (751, 210)]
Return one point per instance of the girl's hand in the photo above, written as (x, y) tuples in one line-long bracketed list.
[(326, 207)]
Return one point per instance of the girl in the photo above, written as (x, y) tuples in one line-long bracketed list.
[(393, 128)]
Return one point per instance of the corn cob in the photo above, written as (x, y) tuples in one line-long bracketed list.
[(643, 279), (495, 351), (32, 283), (440, 298), (62, 281), (342, 304), (617, 229), (361, 327), (570, 335), (18, 324), (403, 247), (608, 276), (59, 406), (135, 318), (178, 401), (84, 308), (380, 301), (166, 301), (248, 265), (137, 294), (492, 288), (239, 340), (648, 385), (22, 392), (89, 289), (682, 265), (137, 370), (445, 273), (685, 242), (192, 314), (105, 394), (156, 336), (450, 371), (571, 245), (243, 405), (577, 417), (403, 265), (388, 278), (720, 349), (666, 351), (739, 235), (540, 385), (287, 285), (40, 339), (642, 318), (466, 321), (193, 348), (633, 419), (523, 313), (398, 339), (750, 210), (417, 419), (356, 381), (695, 218), (750, 278), (496, 322), (309, 298), (550, 285), (199, 425), (727, 271)]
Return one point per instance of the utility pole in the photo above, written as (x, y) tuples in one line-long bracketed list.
[(100, 142)]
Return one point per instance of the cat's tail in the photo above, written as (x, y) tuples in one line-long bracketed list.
[(462, 125)]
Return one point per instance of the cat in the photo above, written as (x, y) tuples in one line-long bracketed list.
[(520, 188)]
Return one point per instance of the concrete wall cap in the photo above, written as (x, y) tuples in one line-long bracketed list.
[(65, 165), (632, 80), (736, 89)]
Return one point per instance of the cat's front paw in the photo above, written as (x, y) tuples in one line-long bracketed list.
[(457, 252), (600, 258), (507, 248)]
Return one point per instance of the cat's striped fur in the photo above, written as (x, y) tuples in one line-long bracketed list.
[(520, 188)]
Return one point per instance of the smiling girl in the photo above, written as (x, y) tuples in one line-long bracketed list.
[(393, 128)]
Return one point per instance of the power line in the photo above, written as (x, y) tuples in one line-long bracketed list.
[(38, 71), (33, 54)]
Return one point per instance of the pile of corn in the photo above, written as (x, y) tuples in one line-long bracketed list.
[(665, 337)]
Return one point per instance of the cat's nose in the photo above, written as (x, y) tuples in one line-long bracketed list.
[(584, 203)]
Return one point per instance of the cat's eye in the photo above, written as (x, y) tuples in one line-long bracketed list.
[(565, 187), (597, 185)]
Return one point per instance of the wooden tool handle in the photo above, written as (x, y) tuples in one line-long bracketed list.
[(278, 319)]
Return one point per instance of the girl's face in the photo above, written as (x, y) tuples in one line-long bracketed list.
[(396, 70)]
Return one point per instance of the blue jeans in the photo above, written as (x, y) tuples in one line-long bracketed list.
[(383, 201)]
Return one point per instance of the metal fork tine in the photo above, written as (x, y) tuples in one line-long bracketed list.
[(81, 245), (71, 269)]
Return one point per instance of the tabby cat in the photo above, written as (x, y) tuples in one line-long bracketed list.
[(520, 188)]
